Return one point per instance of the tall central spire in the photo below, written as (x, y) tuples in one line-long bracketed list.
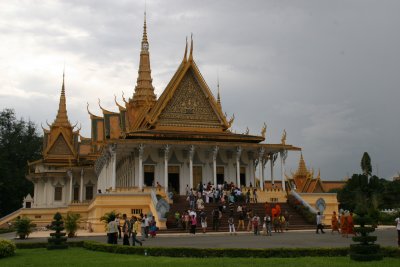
[(62, 117), (144, 90)]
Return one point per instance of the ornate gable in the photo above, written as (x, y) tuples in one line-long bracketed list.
[(60, 147), (189, 106)]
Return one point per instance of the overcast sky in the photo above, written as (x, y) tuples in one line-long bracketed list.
[(326, 71)]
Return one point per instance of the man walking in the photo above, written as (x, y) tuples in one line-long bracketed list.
[(319, 223), (125, 230)]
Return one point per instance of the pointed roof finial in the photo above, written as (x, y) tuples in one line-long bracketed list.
[(302, 169), (145, 43), (185, 55), (62, 117), (218, 96), (191, 47)]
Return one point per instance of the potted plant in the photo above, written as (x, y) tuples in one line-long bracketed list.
[(23, 227), (71, 223)]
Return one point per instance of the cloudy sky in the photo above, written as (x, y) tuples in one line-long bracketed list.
[(326, 71)]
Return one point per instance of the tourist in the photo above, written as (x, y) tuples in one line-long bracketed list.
[(177, 219), (203, 221), (135, 229), (125, 229), (255, 195), (334, 223), (186, 220), (241, 220), (200, 204), (142, 227), (112, 230), (193, 224), (231, 224), (248, 196), (146, 225), (319, 223), (117, 220), (282, 222), (216, 215), (397, 220), (256, 223), (276, 223), (152, 227), (192, 200), (249, 216), (287, 217), (268, 224)]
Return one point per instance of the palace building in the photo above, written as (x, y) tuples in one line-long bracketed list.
[(151, 146)]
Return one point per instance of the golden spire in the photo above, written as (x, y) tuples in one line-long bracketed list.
[(191, 48), (144, 90), (218, 96), (62, 117), (302, 169)]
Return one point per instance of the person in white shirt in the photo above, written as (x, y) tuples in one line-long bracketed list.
[(319, 223), (398, 230)]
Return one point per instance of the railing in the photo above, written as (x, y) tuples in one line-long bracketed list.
[(5, 218), (302, 201)]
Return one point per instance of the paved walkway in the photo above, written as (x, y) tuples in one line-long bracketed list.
[(387, 236)]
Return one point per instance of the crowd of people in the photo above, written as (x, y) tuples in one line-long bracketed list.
[(236, 203), (127, 229), (343, 224)]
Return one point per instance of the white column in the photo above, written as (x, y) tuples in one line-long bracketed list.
[(215, 154), (238, 154), (81, 188), (272, 169), (166, 153), (191, 154), (261, 152), (113, 166), (141, 151), (283, 159), (70, 185), (45, 180), (35, 190)]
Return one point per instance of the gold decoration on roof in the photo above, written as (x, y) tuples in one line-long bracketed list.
[(283, 139), (62, 117), (264, 130)]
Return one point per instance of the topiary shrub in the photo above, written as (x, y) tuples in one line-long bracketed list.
[(7, 248), (71, 223), (366, 250), (57, 240)]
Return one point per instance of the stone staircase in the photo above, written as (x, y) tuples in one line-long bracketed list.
[(296, 221)]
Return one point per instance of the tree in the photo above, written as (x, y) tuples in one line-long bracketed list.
[(366, 166), (19, 142)]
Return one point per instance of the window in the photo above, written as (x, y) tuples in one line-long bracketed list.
[(58, 193), (76, 192), (89, 192)]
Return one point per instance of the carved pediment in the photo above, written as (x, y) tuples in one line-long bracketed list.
[(60, 147), (189, 106)]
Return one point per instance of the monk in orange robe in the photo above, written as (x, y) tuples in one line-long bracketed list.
[(350, 224), (343, 224), (335, 223)]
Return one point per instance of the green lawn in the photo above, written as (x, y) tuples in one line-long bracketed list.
[(82, 257)]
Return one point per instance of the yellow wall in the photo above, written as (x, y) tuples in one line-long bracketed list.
[(330, 201)]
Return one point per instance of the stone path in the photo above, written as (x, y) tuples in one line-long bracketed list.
[(387, 236)]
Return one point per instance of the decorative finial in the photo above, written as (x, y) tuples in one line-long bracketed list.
[(191, 47), (218, 95), (264, 130), (145, 43), (247, 130), (230, 122), (283, 139), (185, 55)]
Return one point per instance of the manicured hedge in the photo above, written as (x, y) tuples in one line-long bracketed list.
[(392, 252), (23, 245), (217, 252)]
